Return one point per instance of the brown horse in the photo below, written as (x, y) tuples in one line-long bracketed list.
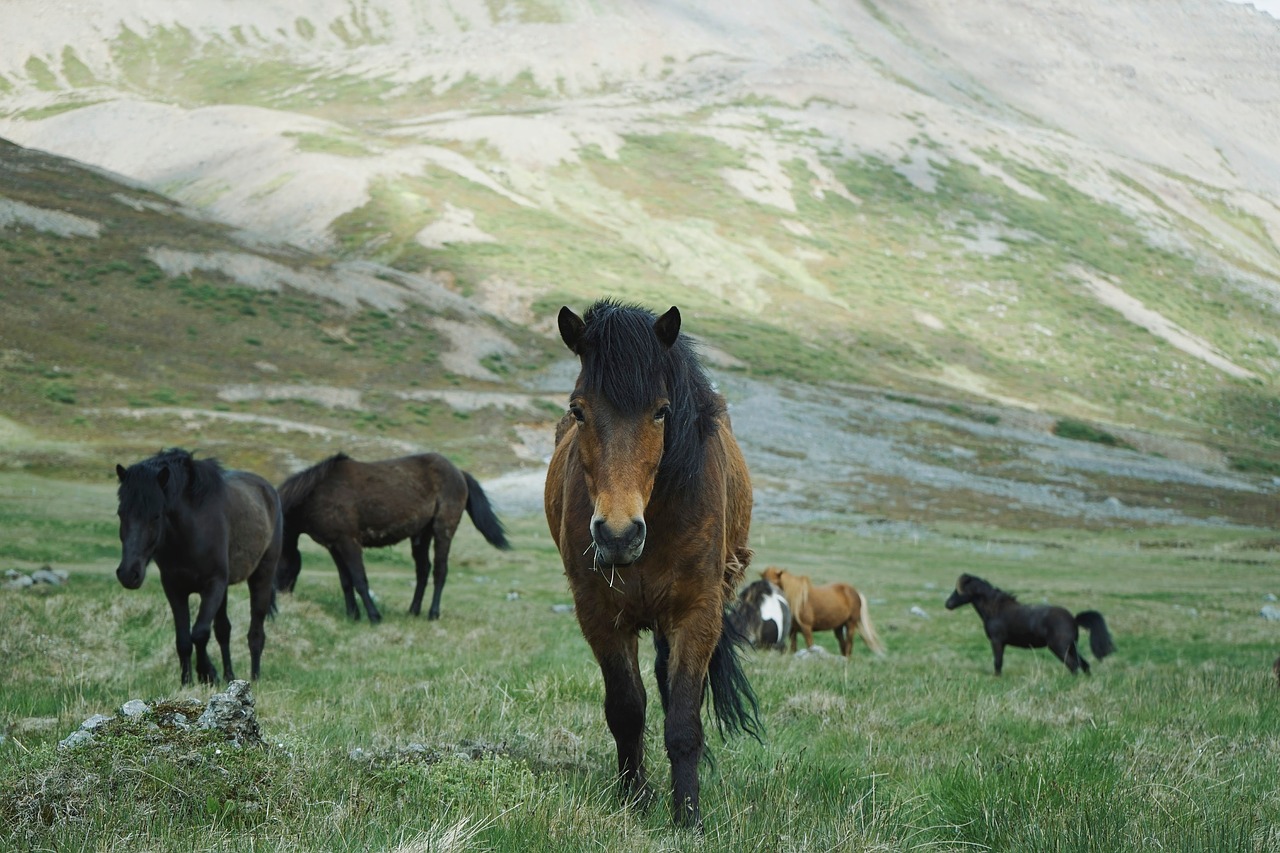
[(649, 502), (835, 607), (347, 506)]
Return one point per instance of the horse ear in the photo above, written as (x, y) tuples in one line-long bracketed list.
[(571, 328), (162, 477), (120, 471), (667, 327)]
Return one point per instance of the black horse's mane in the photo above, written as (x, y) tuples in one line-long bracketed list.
[(978, 588), (200, 480), (623, 360), (295, 490)]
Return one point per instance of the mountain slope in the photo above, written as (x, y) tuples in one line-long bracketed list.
[(1063, 208)]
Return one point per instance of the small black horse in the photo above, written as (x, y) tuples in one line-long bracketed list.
[(762, 615), (1031, 626), (206, 528), (347, 506)]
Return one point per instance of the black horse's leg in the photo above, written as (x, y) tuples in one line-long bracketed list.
[(683, 729), (443, 540), (181, 625), (997, 651), (212, 597), (222, 631), (421, 543), (1071, 657), (624, 711), (350, 562), (261, 604)]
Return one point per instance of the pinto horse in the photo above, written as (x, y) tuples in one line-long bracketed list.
[(1031, 626), (206, 528), (763, 616), (835, 607), (347, 506), (649, 502)]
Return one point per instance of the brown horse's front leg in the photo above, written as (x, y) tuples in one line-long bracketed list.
[(624, 711), (684, 740)]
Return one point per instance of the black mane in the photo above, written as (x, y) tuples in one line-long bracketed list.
[(623, 360), (978, 588), (200, 480), (295, 490)]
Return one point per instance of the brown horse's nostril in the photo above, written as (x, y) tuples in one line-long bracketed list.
[(618, 546)]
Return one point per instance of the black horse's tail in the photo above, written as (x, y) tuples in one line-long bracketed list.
[(483, 516), (1099, 637), (732, 698)]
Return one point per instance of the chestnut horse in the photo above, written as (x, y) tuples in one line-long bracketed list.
[(835, 607), (649, 501)]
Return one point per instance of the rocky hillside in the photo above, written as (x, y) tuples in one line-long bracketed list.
[(957, 227)]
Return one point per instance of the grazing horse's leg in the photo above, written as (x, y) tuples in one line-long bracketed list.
[(212, 597), (348, 557), (181, 624), (421, 543), (222, 630), (624, 711), (844, 634), (997, 651), (1070, 655), (443, 541)]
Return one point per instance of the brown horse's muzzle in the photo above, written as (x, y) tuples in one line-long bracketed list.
[(618, 546)]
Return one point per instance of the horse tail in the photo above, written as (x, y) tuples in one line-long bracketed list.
[(1099, 637), (732, 699), (867, 630), (483, 516)]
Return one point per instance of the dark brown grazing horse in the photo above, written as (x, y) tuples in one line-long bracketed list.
[(1031, 626), (649, 502), (347, 506), (835, 607), (207, 529)]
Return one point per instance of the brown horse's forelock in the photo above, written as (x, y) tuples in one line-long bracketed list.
[(623, 361), (295, 489), (199, 479)]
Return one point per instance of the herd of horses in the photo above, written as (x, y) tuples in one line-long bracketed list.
[(647, 498)]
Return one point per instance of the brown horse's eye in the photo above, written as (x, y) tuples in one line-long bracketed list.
[(577, 413), (662, 413)]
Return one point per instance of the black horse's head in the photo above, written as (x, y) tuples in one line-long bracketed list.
[(142, 505), (970, 588)]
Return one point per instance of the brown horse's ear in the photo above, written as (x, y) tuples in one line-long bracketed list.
[(667, 327), (571, 328), (162, 477), (120, 471)]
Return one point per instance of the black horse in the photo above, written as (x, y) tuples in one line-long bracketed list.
[(348, 506), (206, 528), (1031, 626)]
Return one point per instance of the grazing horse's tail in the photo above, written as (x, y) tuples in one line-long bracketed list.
[(1099, 637), (732, 698), (867, 631), (483, 516)]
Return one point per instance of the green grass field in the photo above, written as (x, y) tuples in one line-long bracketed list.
[(1172, 744)]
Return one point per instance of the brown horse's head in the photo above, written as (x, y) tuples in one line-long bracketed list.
[(632, 416), (773, 575)]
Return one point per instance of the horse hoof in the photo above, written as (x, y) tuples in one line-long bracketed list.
[(433, 615)]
